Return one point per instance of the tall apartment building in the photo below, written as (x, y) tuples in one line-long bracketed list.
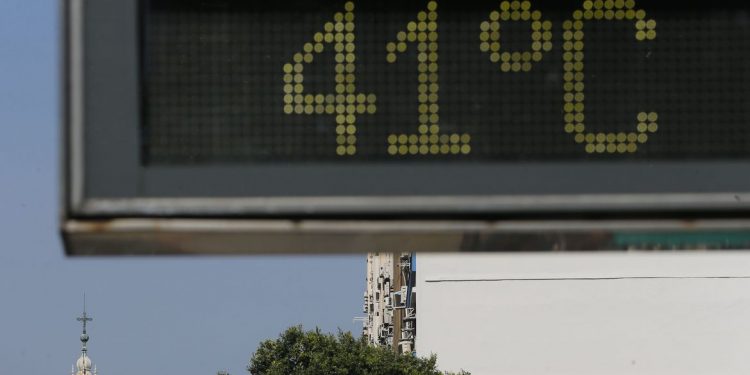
[(390, 301)]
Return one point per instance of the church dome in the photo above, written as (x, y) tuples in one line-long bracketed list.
[(83, 363)]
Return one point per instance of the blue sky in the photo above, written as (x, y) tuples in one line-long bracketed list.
[(151, 315)]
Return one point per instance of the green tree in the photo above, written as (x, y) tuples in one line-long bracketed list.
[(297, 352)]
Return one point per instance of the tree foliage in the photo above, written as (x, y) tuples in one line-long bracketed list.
[(297, 352)]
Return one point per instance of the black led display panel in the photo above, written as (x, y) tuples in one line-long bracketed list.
[(393, 81)]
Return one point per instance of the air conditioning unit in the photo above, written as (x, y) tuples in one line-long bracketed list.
[(399, 301), (405, 347)]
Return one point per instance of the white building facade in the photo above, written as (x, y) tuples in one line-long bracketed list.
[(586, 313)]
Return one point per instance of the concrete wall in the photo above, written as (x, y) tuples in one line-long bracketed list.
[(575, 313)]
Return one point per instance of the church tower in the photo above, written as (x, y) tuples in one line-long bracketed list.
[(83, 365)]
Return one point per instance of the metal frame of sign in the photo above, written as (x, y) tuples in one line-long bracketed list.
[(201, 224)]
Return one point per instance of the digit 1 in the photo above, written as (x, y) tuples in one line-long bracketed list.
[(428, 140), (573, 56), (541, 36), (346, 103)]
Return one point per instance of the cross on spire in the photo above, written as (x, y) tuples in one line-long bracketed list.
[(84, 318)]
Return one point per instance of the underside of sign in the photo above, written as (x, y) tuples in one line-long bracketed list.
[(232, 237), (232, 127)]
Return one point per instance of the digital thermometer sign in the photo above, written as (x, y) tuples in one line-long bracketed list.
[(277, 126), (396, 81)]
